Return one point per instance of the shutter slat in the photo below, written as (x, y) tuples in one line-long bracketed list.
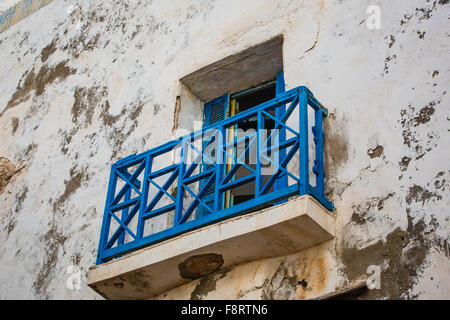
[(214, 112)]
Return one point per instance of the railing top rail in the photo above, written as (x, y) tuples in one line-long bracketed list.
[(247, 114)]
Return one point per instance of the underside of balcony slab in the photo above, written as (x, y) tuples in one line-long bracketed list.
[(295, 225)]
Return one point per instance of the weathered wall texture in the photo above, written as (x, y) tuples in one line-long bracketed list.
[(84, 83)]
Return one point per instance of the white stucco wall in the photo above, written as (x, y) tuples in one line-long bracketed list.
[(6, 4), (85, 83)]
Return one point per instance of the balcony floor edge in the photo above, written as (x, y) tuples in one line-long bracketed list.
[(290, 227)]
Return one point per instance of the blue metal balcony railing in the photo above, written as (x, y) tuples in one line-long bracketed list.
[(140, 210)]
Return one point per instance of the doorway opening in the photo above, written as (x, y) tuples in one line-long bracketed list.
[(240, 102)]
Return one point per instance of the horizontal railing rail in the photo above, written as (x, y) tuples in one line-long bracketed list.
[(155, 195)]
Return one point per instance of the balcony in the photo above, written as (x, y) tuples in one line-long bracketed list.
[(175, 202)]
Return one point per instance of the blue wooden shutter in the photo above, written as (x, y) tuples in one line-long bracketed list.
[(214, 111)]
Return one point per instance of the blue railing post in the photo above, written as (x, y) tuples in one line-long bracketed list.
[(181, 170), (220, 167), (280, 88), (104, 233), (318, 168), (124, 216), (259, 142), (304, 151), (144, 197)]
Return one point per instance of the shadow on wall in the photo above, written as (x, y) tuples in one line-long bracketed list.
[(336, 153)]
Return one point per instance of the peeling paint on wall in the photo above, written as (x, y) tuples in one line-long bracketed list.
[(7, 170), (101, 81), (36, 83)]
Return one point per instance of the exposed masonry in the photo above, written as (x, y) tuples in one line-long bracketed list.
[(7, 170), (99, 82), (281, 285)]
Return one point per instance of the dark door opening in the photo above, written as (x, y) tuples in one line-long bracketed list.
[(229, 105), (243, 101)]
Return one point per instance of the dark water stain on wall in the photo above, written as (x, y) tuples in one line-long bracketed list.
[(10, 226), (156, 109), (387, 61), (14, 124), (440, 183), (375, 153), (429, 8), (364, 212), (48, 50), (85, 102), (402, 256), (92, 102), (71, 186), (117, 124), (53, 241), (336, 153), (410, 120), (424, 114), (108, 119), (404, 251), (76, 258), (82, 42), (67, 138), (392, 38), (37, 82), (419, 194), (404, 163), (20, 198), (335, 144), (8, 221), (7, 170)]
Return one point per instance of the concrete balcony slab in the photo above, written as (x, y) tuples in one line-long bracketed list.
[(295, 225)]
